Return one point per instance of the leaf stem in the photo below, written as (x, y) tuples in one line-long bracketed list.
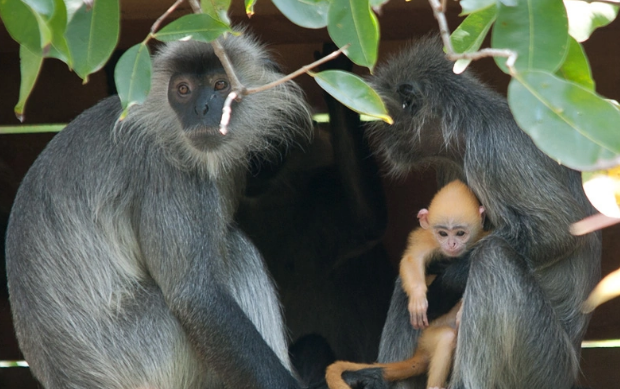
[(439, 9)]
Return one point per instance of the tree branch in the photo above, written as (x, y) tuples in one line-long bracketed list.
[(159, 21), (240, 90), (439, 13)]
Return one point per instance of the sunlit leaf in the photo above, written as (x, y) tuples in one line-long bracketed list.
[(606, 290), (308, 14), (92, 35), (217, 9), (576, 67), (30, 65), (353, 92), (585, 17), (536, 30), (470, 6), (21, 23), (571, 124), (132, 75), (200, 27), (352, 22), (470, 34), (249, 7)]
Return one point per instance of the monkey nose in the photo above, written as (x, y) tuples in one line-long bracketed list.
[(203, 111)]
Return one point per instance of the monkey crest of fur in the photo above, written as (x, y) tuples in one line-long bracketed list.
[(260, 123)]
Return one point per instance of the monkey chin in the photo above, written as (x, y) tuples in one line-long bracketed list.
[(454, 253), (205, 138)]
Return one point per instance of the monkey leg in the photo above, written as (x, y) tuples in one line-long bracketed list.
[(441, 343), (510, 336)]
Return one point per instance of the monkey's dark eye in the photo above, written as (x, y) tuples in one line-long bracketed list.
[(460, 233), (443, 233), (183, 89), (220, 85)]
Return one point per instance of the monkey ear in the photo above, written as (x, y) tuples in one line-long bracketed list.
[(483, 213), (423, 217)]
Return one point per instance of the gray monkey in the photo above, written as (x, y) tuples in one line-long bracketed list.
[(125, 267), (521, 325)]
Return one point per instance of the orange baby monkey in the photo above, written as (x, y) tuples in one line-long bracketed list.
[(448, 228)]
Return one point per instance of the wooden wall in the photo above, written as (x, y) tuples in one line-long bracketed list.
[(59, 96)]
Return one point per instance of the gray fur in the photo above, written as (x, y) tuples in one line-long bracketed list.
[(125, 269), (521, 325)]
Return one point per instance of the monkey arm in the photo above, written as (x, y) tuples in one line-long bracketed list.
[(212, 282), (421, 245)]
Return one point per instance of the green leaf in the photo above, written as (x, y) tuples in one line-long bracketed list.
[(569, 123), (132, 75), (217, 9), (353, 22), (377, 3), (469, 35), (249, 7), (200, 27), (584, 17), (58, 26), (469, 6), (304, 13), (353, 92), (537, 30), (21, 23), (92, 35), (576, 67), (30, 65)]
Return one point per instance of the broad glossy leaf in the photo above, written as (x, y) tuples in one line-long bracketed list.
[(353, 92), (536, 30), (58, 26), (352, 22), (200, 27), (469, 6), (217, 9), (576, 67), (470, 34), (569, 123), (30, 65), (132, 75), (305, 13), (92, 35), (584, 17), (249, 7), (21, 23)]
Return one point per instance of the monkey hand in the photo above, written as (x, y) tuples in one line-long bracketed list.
[(418, 306)]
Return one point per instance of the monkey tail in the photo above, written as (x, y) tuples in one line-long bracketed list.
[(394, 371)]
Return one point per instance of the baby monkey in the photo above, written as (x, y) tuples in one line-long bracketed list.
[(450, 226)]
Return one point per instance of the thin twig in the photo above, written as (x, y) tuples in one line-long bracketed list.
[(226, 111), (238, 93), (195, 6), (439, 13), (235, 84), (170, 10), (300, 71)]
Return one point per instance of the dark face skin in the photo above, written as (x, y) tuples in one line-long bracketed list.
[(198, 100)]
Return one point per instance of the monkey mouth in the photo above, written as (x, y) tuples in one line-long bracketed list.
[(203, 137)]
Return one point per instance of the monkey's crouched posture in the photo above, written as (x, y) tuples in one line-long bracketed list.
[(521, 325), (125, 268)]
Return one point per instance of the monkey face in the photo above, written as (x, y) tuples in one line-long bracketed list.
[(452, 241), (197, 100)]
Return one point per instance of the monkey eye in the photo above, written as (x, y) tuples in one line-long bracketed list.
[(183, 89), (220, 85), (443, 233), (460, 233)]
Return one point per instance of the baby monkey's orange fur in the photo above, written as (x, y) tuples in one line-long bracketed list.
[(450, 226)]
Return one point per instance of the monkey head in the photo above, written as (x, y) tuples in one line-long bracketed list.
[(427, 101), (455, 218), (188, 89)]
